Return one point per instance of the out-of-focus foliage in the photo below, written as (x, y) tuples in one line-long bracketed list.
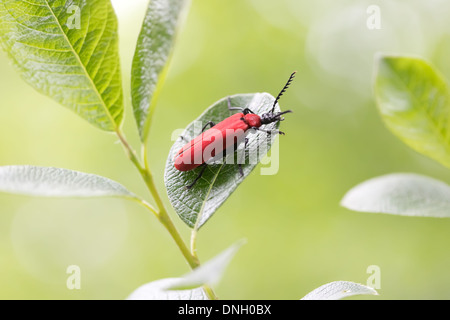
[(404, 194), (414, 101), (298, 237)]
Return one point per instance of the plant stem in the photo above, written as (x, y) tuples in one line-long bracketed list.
[(194, 242), (161, 214)]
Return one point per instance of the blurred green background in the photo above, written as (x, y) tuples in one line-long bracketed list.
[(298, 237)]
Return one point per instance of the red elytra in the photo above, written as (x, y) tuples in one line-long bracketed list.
[(220, 137), (224, 135)]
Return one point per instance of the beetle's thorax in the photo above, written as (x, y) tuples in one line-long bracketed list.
[(253, 120)]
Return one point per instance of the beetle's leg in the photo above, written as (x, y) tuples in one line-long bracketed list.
[(243, 154), (243, 110), (268, 131), (247, 111), (233, 108), (240, 170), (198, 177), (210, 123)]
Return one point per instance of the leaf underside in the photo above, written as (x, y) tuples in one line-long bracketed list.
[(188, 287), (209, 273), (67, 50), (56, 182), (156, 291), (197, 205), (405, 194), (338, 290)]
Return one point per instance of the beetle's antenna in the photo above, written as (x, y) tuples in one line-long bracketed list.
[(284, 90)]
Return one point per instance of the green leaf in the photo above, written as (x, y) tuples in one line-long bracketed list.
[(156, 291), (55, 182), (67, 50), (406, 194), (338, 290), (195, 206), (209, 273), (152, 56), (413, 99)]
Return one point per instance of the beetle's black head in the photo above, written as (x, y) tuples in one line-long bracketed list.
[(271, 117)]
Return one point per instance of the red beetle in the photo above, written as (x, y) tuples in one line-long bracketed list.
[(225, 135)]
